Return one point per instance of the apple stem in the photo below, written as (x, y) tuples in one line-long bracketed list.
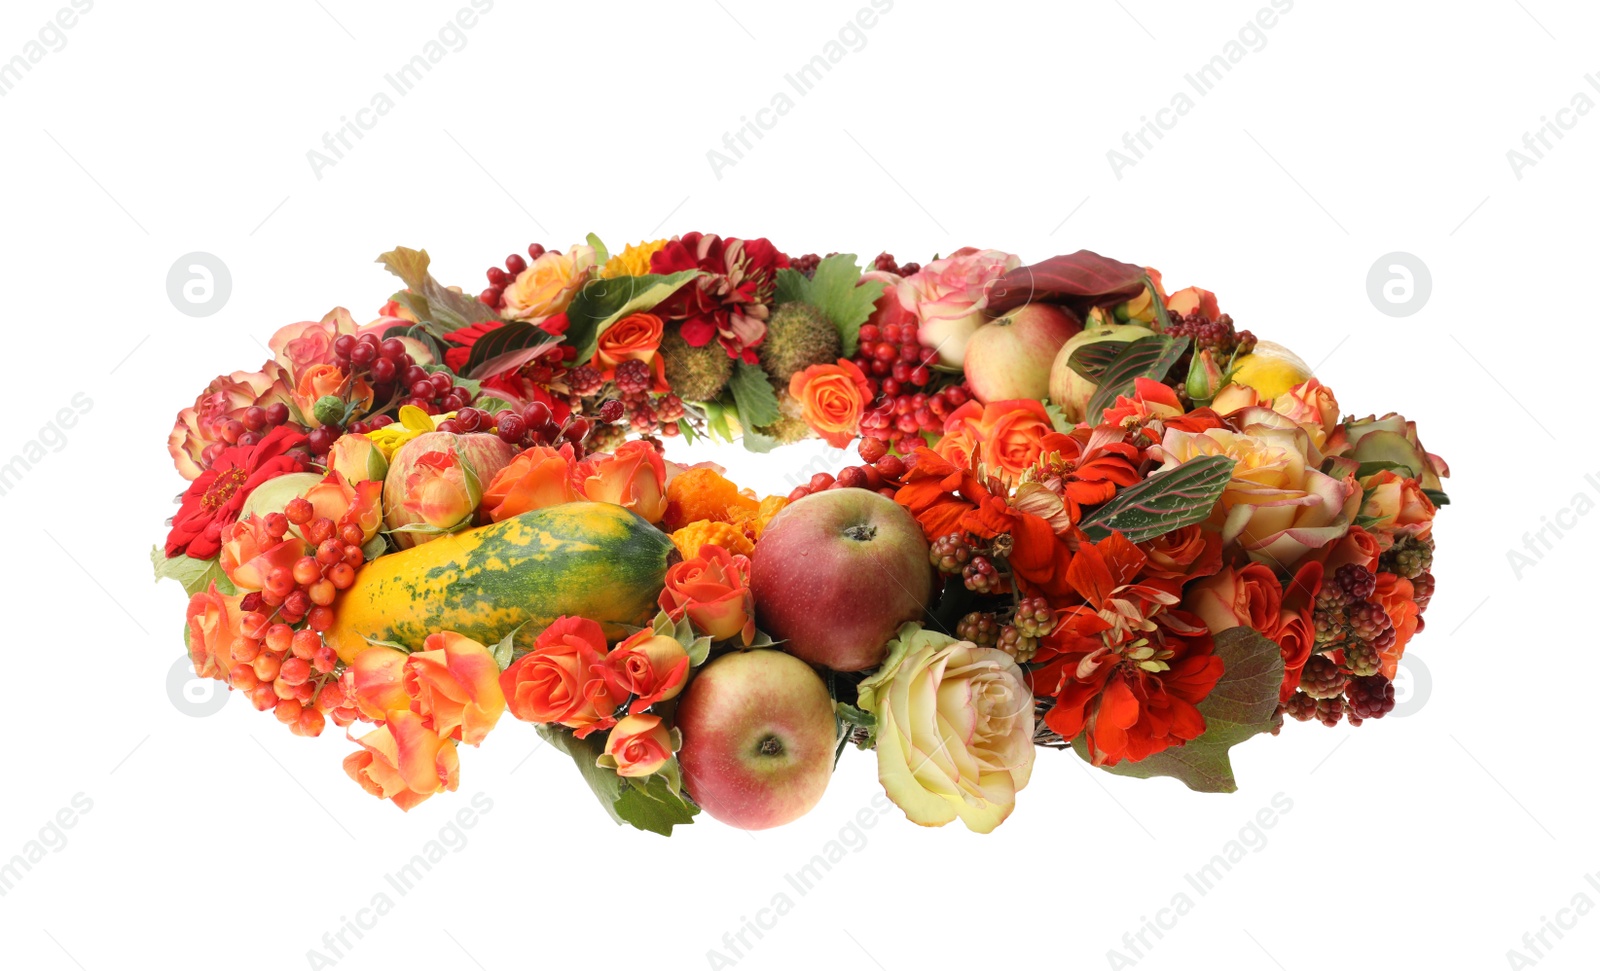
[(861, 532), (771, 746)]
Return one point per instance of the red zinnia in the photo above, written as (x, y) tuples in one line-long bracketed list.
[(216, 496)]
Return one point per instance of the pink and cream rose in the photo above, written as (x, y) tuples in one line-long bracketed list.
[(949, 297), (548, 285)]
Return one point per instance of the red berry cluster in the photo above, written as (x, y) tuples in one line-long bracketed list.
[(501, 277), (1217, 336), (886, 263), (884, 476), (901, 377), (1342, 681), (535, 425), (246, 430)]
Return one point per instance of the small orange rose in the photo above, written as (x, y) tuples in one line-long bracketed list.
[(651, 667), (336, 499), (377, 682), (1008, 435), (832, 399), (441, 490), (538, 477), (563, 679), (636, 337), (454, 684), (713, 590), (249, 553), (404, 761), (639, 746), (634, 477), (213, 626)]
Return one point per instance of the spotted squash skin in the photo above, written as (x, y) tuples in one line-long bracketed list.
[(588, 559)]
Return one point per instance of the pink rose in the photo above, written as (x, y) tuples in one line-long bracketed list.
[(949, 296), (199, 428)]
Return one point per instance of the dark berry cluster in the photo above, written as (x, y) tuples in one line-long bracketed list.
[(501, 277), (1217, 336)]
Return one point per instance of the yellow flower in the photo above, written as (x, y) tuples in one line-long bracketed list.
[(634, 260), (413, 422), (706, 532)]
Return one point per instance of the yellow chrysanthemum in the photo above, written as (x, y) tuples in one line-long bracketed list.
[(413, 422), (755, 521), (704, 532), (634, 260)]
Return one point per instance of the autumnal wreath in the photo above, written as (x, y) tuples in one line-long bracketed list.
[(1087, 514)]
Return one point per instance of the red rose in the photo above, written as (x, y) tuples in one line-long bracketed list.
[(215, 497)]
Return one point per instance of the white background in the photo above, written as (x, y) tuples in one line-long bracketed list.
[(1361, 128)]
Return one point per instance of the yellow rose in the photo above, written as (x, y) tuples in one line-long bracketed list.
[(1278, 506), (955, 729), (547, 286)]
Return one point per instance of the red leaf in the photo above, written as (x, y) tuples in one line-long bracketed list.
[(1081, 280)]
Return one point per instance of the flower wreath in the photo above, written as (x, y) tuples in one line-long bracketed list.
[(1088, 514)]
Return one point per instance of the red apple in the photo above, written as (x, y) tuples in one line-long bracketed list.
[(836, 574), (1010, 357), (758, 739)]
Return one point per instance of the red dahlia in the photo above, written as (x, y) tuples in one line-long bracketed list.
[(730, 302), (214, 499)]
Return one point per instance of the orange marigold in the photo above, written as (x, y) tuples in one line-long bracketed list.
[(707, 532), (698, 494)]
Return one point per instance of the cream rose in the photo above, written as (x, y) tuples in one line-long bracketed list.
[(949, 295), (1278, 506), (955, 729), (547, 286)]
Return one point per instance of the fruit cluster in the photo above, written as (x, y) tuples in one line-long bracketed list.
[(1343, 679)]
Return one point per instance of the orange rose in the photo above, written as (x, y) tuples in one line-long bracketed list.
[(1398, 597), (454, 684), (563, 679), (1358, 546), (249, 553), (1183, 554), (1008, 434), (1396, 505), (633, 338), (404, 761), (832, 399), (639, 746), (536, 478), (1194, 300), (213, 621), (336, 499), (441, 490), (302, 346), (1311, 406), (320, 381), (1247, 597), (634, 476), (199, 428), (1297, 626), (548, 285), (713, 589), (377, 682), (650, 667)]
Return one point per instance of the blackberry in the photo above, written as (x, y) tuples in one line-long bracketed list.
[(1034, 617), (1361, 659), (612, 411), (1370, 698), (1422, 589), (979, 627), (805, 265), (585, 380), (633, 377), (669, 407), (1321, 678), (1356, 581), (1330, 626), (950, 554), (1017, 644), (980, 575), (1367, 620), (1301, 707), (1330, 711), (1409, 557), (1331, 598)]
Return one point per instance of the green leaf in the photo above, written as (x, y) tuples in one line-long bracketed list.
[(600, 253), (604, 302), (1242, 705), (1163, 319), (649, 804), (374, 547), (493, 405), (1058, 418), (699, 649), (507, 348), (195, 575), (445, 307), (1092, 360), (838, 291), (1164, 502), (687, 430), (505, 650), (1148, 357), (1437, 497), (754, 397)]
